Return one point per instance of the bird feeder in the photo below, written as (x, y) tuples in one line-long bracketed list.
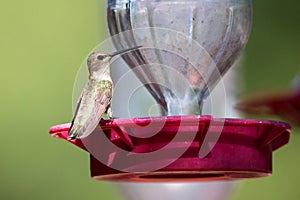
[(187, 46)]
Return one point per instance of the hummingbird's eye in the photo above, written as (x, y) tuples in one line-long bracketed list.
[(100, 57)]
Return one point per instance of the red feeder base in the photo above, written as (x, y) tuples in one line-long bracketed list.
[(181, 148)]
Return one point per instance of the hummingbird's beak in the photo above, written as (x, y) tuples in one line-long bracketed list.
[(125, 50)]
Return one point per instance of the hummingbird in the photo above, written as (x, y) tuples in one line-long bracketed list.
[(95, 98)]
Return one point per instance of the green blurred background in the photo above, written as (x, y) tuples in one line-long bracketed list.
[(42, 44)]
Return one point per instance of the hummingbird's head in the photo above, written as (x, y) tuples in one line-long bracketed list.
[(98, 60)]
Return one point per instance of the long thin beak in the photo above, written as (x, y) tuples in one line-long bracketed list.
[(125, 50)]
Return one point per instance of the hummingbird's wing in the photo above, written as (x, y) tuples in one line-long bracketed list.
[(73, 128), (101, 103), (91, 106)]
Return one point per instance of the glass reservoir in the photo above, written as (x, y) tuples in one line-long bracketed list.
[(187, 45)]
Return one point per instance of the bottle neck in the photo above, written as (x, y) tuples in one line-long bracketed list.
[(189, 104)]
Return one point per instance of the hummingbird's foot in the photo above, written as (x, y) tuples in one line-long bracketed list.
[(108, 114)]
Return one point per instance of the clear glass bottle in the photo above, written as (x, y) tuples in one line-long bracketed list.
[(188, 45)]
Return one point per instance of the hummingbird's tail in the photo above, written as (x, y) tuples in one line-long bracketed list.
[(72, 134)]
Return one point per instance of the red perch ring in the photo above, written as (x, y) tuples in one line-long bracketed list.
[(180, 148)]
